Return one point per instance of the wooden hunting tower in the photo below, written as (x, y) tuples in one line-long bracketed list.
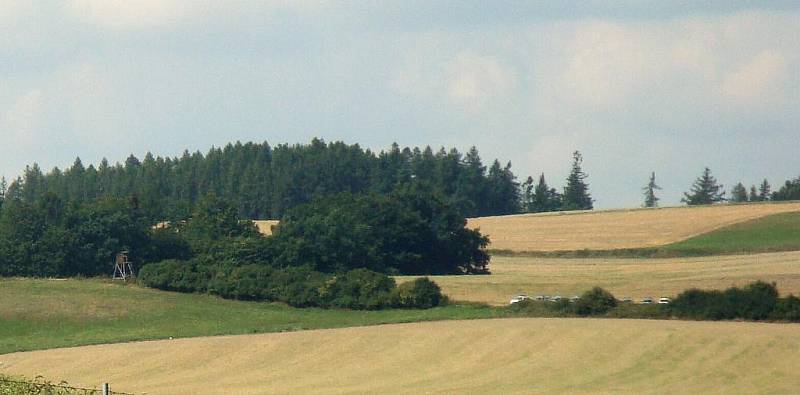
[(122, 266)]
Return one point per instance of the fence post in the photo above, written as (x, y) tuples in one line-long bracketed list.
[(105, 389)]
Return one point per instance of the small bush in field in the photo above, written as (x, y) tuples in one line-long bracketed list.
[(595, 301), (421, 293)]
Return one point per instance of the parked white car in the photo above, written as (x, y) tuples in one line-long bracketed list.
[(647, 300), (663, 301), (555, 298), (518, 298)]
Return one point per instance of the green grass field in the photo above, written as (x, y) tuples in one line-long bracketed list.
[(778, 232), (42, 314)]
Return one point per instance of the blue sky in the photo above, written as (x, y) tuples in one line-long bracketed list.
[(636, 86)]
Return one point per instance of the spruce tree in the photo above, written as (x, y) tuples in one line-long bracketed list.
[(650, 199), (764, 191), (3, 189), (576, 193), (544, 198), (527, 195), (739, 193), (754, 194), (705, 190)]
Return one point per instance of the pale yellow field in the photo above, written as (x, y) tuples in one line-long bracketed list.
[(265, 226), (635, 278), (605, 230), (509, 356)]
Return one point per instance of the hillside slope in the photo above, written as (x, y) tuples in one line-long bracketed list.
[(486, 356), (614, 229)]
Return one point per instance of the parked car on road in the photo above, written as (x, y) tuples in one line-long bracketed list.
[(647, 300), (518, 298), (627, 300), (663, 301)]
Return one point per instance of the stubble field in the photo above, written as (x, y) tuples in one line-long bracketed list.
[(501, 356), (615, 229), (634, 278)]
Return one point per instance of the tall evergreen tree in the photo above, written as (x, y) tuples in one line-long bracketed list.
[(576, 192), (3, 189), (739, 193), (544, 198), (754, 194), (764, 191), (705, 190), (650, 198), (527, 195)]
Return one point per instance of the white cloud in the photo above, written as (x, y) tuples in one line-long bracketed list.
[(759, 80), (22, 121), (124, 14), (474, 80), (607, 62)]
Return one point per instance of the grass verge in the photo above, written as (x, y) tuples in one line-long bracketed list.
[(43, 314)]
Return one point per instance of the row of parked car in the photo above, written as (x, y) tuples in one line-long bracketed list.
[(556, 298)]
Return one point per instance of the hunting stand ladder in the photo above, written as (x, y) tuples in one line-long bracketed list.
[(122, 266)]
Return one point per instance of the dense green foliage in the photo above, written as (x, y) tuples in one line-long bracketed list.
[(705, 190), (50, 238), (739, 193), (412, 231), (756, 301), (576, 192), (788, 191), (541, 198), (595, 301), (264, 181)]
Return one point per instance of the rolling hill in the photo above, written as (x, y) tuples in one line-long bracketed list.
[(502, 356)]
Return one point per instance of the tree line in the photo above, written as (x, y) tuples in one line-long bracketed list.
[(264, 181), (707, 190)]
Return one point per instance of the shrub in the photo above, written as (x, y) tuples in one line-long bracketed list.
[(756, 301), (698, 304), (787, 308), (421, 293), (358, 289), (594, 302)]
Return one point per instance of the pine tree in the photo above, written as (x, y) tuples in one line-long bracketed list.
[(705, 190), (764, 191), (544, 198), (754, 194), (739, 193), (527, 195), (576, 193), (650, 199), (3, 189)]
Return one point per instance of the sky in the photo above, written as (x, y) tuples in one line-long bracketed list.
[(636, 86)]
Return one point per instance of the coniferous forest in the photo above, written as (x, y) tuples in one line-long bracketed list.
[(263, 181)]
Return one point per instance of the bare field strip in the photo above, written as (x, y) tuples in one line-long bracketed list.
[(614, 229), (265, 226), (636, 278), (504, 356)]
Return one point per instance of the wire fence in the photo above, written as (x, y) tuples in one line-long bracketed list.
[(39, 386)]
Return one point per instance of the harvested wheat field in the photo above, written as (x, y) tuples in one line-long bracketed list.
[(614, 229), (635, 278), (532, 355)]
